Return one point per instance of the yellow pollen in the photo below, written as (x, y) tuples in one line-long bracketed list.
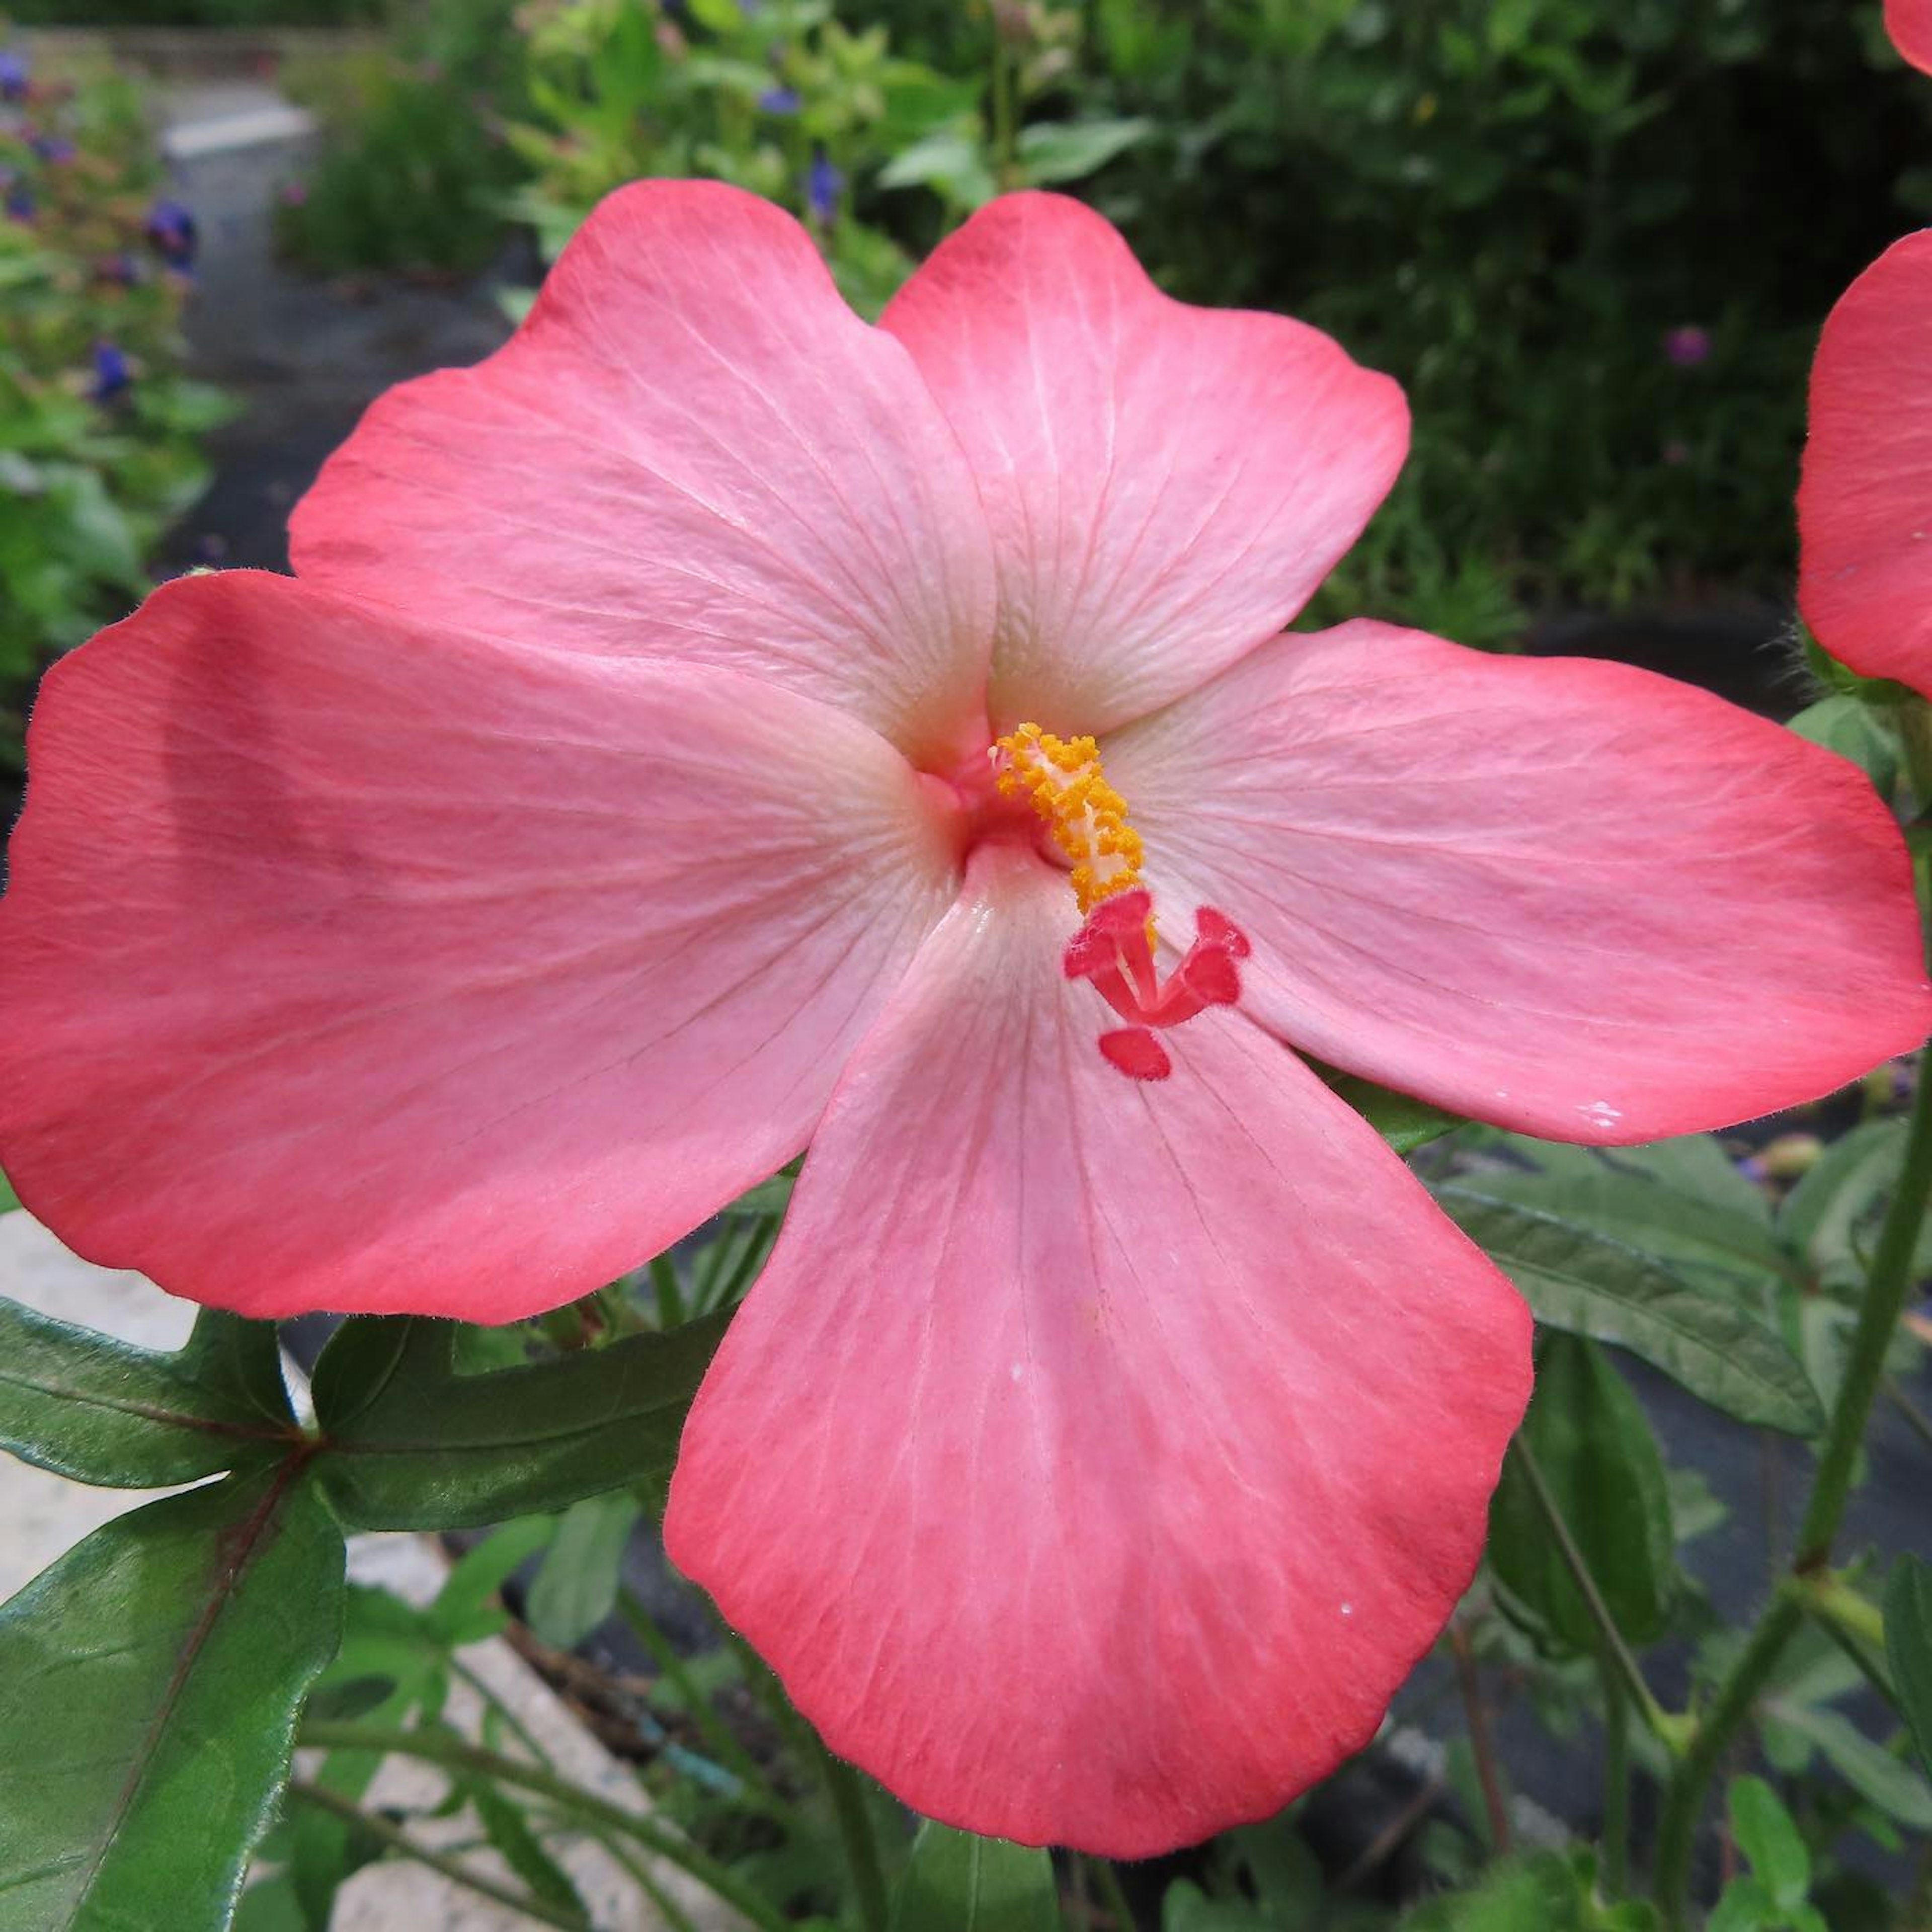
[(1086, 816)]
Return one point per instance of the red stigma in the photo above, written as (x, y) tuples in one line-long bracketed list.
[(1114, 951)]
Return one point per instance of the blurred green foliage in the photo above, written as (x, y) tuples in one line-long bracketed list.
[(1594, 243), (414, 172), (99, 430)]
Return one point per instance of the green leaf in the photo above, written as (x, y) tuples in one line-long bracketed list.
[(1709, 1245), (9, 1200), (419, 1447), (1535, 1894), (1696, 1165), (1065, 151), (951, 163), (1908, 1647), (1185, 1907), (958, 1883), (148, 1687), (576, 1587), (1746, 1906), (1894, 1787), (1587, 1283), (1822, 1216), (1867, 734), (1768, 1837), (99, 1411), (1593, 1444), (506, 1827), (1405, 1122), (466, 1608)]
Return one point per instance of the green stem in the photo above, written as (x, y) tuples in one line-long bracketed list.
[(1616, 1782), (712, 1728), (441, 1747), (1113, 1896), (512, 1723), (1886, 1291), (399, 1841), (673, 1914), (1857, 1626), (1004, 137), (855, 1835), (1683, 1801), (1671, 1731)]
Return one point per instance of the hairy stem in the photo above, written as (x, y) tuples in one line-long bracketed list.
[(1671, 1731), (1476, 1717), (855, 1835), (1886, 1287), (1616, 1782)]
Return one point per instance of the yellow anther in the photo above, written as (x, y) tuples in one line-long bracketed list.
[(1086, 816)]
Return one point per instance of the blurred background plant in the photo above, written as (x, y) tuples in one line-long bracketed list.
[(99, 428), (1546, 218)]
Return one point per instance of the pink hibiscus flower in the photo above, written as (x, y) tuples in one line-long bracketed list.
[(1864, 500), (1909, 24), (714, 724)]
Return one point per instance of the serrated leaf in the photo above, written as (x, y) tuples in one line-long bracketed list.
[(1769, 1839), (1908, 1647), (98, 1410), (1593, 1444), (1886, 1781), (1586, 1283), (957, 1882), (148, 1687), (1739, 1256), (431, 1450), (576, 1587)]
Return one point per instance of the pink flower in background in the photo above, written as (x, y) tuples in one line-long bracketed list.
[(1865, 499), (1688, 346), (713, 725), (1909, 24)]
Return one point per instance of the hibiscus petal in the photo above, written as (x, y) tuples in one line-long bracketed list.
[(348, 964), (1865, 505), (1909, 24), (1565, 896), (1096, 1456), (1167, 485), (692, 448)]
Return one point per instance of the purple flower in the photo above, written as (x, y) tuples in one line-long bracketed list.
[(780, 100), (19, 202), (53, 147), (823, 184), (170, 228), (111, 373), (294, 193), (1687, 346), (14, 76)]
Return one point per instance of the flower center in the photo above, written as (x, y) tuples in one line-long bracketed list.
[(1085, 816), (1114, 949)]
